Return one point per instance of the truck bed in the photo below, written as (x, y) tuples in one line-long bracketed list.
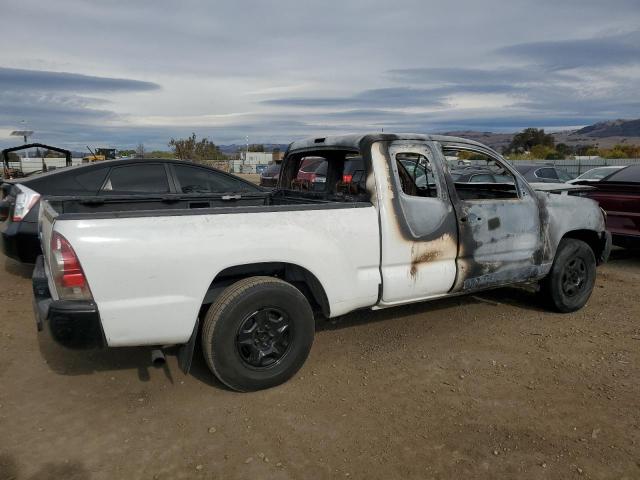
[(154, 258), (76, 207)]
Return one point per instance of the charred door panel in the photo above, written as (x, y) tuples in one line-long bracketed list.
[(499, 223), (499, 239), (418, 226)]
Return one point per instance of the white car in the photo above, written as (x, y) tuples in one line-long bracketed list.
[(247, 279), (596, 174)]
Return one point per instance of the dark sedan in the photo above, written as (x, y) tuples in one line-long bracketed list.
[(541, 173), (177, 180), (619, 196)]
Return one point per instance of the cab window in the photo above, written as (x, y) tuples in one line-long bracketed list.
[(479, 176), (416, 175)]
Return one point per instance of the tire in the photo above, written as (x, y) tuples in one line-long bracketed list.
[(257, 334), (570, 282)]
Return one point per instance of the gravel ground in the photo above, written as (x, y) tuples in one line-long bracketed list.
[(483, 387)]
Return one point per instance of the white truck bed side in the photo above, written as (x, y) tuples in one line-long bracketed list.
[(156, 301)]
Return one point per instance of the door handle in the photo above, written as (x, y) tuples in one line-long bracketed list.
[(231, 197)]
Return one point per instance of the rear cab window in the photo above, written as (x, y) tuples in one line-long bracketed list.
[(332, 175)]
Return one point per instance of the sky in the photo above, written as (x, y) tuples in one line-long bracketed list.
[(114, 73)]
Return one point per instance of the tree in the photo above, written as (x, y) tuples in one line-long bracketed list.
[(563, 150), (592, 151), (140, 151), (161, 154), (529, 138), (542, 151), (191, 148), (256, 147), (614, 153)]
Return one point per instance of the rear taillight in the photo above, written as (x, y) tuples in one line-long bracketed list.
[(346, 178), (66, 271), (25, 200)]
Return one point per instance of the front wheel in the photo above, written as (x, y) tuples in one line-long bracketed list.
[(570, 282), (258, 333)]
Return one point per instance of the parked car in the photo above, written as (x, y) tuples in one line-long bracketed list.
[(596, 174), (312, 173), (269, 176), (541, 173), (260, 272), (171, 178), (476, 175), (619, 195)]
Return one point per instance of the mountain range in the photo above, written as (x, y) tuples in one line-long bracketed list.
[(601, 134)]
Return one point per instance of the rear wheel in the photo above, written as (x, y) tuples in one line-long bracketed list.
[(258, 333), (570, 282)]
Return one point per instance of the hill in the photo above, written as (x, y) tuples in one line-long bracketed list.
[(601, 134), (613, 128)]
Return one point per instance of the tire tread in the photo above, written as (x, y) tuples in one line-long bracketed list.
[(217, 308)]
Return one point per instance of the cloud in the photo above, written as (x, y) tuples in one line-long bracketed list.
[(41, 80), (391, 97), (296, 69), (495, 78), (621, 49)]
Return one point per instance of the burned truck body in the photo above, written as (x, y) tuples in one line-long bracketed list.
[(399, 227)]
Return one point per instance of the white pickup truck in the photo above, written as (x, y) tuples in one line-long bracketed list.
[(415, 218)]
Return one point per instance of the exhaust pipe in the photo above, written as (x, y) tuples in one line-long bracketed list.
[(157, 357)]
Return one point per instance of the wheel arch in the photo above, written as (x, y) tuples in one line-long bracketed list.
[(591, 238), (300, 277)]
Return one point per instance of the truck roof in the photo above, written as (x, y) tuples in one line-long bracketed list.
[(355, 141)]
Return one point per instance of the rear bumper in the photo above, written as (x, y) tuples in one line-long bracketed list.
[(20, 241), (71, 323)]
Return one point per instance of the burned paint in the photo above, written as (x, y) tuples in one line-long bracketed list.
[(508, 240), (422, 254)]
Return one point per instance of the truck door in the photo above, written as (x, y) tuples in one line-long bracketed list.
[(498, 220), (418, 227)]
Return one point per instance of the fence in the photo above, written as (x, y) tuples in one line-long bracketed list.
[(578, 167)]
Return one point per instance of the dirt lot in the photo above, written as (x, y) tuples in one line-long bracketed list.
[(463, 388)]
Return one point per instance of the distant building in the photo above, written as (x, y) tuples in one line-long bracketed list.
[(251, 162), (587, 157)]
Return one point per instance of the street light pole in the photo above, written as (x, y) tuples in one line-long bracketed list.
[(246, 153)]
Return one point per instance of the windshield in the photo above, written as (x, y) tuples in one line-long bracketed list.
[(630, 174), (272, 170), (597, 173)]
